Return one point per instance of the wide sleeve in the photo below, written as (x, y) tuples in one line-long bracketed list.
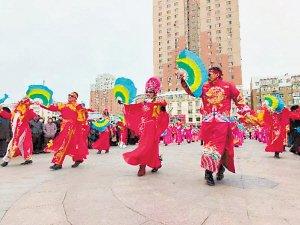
[(294, 115), (5, 115), (162, 122), (133, 116), (30, 115), (53, 108)]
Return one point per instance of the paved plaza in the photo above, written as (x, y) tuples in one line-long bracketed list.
[(105, 190)]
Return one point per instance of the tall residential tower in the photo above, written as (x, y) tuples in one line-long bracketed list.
[(210, 28)]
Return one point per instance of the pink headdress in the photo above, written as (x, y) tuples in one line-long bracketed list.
[(153, 84)]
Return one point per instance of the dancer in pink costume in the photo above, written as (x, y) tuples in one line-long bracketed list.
[(168, 138), (188, 134), (195, 136), (179, 133)]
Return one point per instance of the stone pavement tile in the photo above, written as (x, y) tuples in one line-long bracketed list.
[(99, 206), (45, 215), (39, 199), (2, 213), (151, 223), (227, 218), (266, 220), (160, 206), (267, 203)]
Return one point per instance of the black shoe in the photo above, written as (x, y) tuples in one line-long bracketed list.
[(155, 169), (26, 162), (76, 164), (220, 174), (4, 164), (209, 178), (277, 155), (99, 152), (106, 151), (160, 158), (56, 167)]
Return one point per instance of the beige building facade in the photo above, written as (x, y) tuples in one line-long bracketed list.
[(208, 27), (101, 95), (287, 86)]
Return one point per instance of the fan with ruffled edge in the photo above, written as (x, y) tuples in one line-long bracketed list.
[(124, 90), (194, 67), (40, 92)]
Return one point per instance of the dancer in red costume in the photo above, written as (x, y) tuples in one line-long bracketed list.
[(72, 139), (103, 142), (216, 126), (277, 124), (21, 143), (123, 134), (149, 119)]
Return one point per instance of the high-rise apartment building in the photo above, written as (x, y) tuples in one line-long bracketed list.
[(101, 95), (208, 27)]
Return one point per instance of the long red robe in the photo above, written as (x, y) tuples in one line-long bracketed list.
[(72, 139), (21, 143), (277, 124), (103, 142), (146, 120), (123, 134), (216, 130)]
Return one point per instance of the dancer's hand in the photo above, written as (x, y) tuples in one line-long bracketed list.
[(180, 74)]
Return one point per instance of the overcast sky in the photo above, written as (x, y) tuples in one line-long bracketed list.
[(68, 42)]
